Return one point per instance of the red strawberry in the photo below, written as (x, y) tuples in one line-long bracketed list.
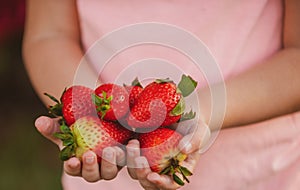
[(74, 103), (160, 149), (91, 133), (134, 91), (111, 101), (161, 103)]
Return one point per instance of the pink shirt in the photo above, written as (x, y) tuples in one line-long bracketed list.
[(239, 34)]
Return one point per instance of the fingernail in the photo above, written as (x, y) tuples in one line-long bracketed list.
[(73, 163), (140, 162), (89, 159), (43, 125), (39, 122), (108, 154), (153, 177), (130, 152)]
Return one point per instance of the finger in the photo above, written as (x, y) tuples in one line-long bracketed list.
[(120, 156), (73, 167), (109, 168), (191, 161), (133, 151), (90, 167), (142, 170), (47, 127), (162, 181), (195, 140), (166, 182)]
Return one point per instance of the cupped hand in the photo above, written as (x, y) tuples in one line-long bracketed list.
[(138, 166), (113, 158)]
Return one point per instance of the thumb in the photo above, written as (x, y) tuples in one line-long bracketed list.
[(195, 140), (47, 127)]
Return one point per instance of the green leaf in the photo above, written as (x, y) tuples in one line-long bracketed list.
[(165, 171), (63, 94), (163, 80), (62, 136), (68, 142), (64, 128), (108, 100), (136, 82), (187, 85), (56, 110), (177, 180), (97, 100), (188, 116), (52, 98), (185, 171), (179, 108), (66, 153)]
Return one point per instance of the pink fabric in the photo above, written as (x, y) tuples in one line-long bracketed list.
[(239, 34)]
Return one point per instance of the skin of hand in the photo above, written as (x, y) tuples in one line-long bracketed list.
[(228, 166), (113, 158), (190, 144)]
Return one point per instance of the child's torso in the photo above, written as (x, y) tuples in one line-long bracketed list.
[(238, 33)]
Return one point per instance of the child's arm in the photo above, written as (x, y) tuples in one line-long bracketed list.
[(52, 52), (270, 89), (51, 48)]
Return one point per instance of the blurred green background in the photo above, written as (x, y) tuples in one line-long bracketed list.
[(27, 160)]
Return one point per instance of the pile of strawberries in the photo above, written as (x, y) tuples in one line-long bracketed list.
[(111, 115)]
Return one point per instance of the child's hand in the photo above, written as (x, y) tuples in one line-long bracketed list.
[(88, 168), (138, 166)]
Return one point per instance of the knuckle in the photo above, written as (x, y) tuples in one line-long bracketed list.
[(91, 178), (108, 175)]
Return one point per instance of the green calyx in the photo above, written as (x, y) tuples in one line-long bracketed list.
[(186, 85), (69, 141), (187, 116), (163, 80), (179, 108), (55, 110), (174, 168), (102, 103), (136, 82)]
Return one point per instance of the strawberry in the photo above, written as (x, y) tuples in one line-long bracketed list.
[(90, 133), (134, 91), (161, 103), (74, 103), (111, 101), (160, 149)]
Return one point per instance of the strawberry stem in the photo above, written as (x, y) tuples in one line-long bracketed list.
[(68, 140), (55, 110), (102, 103), (175, 167)]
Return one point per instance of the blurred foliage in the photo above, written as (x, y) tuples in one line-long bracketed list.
[(27, 160)]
